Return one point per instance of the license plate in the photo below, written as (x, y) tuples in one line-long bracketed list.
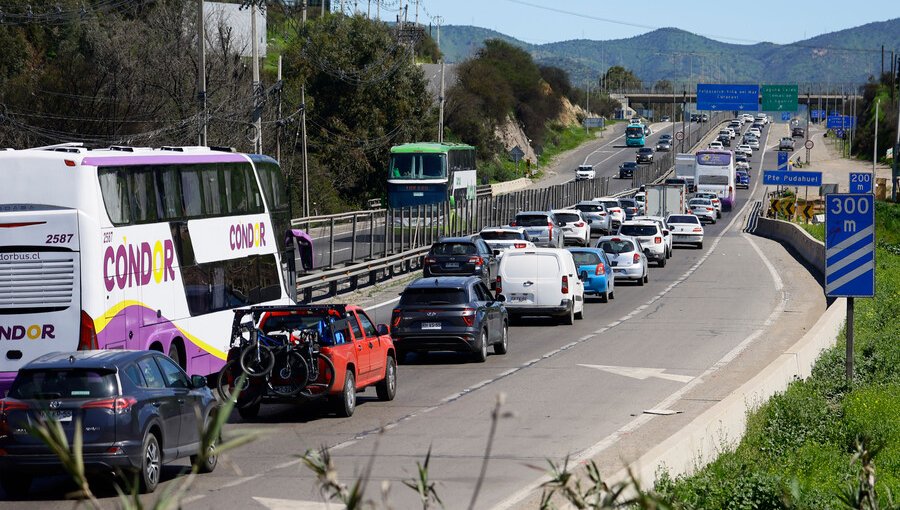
[(61, 416), (619, 271), (431, 325), (452, 264), (519, 298)]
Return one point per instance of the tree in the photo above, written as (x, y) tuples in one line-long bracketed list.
[(662, 87), (619, 78)]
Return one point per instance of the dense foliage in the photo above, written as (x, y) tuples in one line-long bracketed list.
[(864, 136)]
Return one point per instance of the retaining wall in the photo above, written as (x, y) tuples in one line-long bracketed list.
[(807, 247)]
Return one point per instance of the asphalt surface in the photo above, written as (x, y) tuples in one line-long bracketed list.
[(568, 390)]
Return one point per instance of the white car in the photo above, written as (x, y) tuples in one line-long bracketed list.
[(596, 216), (686, 229), (745, 149), (627, 257), (541, 281), (641, 198), (763, 119), (747, 117), (703, 209), (755, 132), (716, 145), (667, 232), (651, 237), (575, 228), (584, 172), (617, 214), (753, 143), (731, 132), (742, 165), (503, 239), (712, 198)]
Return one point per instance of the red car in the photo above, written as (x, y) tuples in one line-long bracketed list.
[(361, 353)]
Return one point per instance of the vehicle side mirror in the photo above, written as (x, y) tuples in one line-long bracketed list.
[(496, 253), (583, 276), (198, 381), (501, 298), (665, 232), (383, 330)]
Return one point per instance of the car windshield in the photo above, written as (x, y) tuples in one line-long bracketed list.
[(645, 150), (585, 258), (433, 296), (531, 220), (589, 207), (567, 217), (638, 230), (616, 247), (453, 249), (611, 203), (629, 164), (64, 383), (700, 201), (627, 202), (319, 320), (501, 235), (683, 218)]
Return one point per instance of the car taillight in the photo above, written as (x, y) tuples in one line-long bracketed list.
[(519, 245), (7, 405), (698, 229), (709, 208), (600, 269), (498, 288), (602, 214), (565, 284), (512, 223), (476, 260), (468, 316), (118, 404), (550, 230), (395, 319), (579, 224), (87, 338), (657, 240), (637, 258)]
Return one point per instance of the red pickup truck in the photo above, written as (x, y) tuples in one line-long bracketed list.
[(362, 354)]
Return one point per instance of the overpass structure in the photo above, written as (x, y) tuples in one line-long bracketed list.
[(691, 97)]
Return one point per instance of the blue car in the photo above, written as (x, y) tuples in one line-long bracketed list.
[(595, 271), (742, 179)]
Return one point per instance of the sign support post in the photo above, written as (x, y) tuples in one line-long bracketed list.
[(849, 363)]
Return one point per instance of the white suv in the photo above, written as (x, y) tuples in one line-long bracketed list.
[(651, 237), (584, 172), (575, 228), (667, 232)]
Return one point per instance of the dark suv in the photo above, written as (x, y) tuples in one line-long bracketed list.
[(461, 256), (450, 314), (644, 155), (798, 131), (137, 411), (627, 169)]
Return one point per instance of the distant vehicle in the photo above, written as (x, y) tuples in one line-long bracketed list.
[(747, 117), (137, 410), (753, 142), (543, 282), (647, 131), (665, 137), (651, 237), (634, 135), (664, 227), (641, 198), (741, 163), (595, 270), (716, 144), (461, 256), (584, 172), (755, 132), (644, 155), (574, 227), (712, 198), (665, 118), (762, 119), (715, 174), (450, 314), (726, 132), (703, 208), (428, 173), (541, 226), (742, 179), (686, 229), (501, 239), (627, 256), (724, 140), (630, 206), (744, 149), (617, 214), (704, 117), (663, 146), (637, 120), (626, 169), (664, 199), (798, 131), (695, 117), (684, 169), (786, 144), (595, 214)]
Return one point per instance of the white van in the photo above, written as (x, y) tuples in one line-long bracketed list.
[(541, 281)]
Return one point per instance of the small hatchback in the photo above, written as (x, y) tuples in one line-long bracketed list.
[(542, 228), (595, 271), (627, 257), (450, 314), (137, 411)]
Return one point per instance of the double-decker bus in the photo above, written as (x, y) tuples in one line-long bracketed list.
[(136, 248), (634, 135), (714, 171), (428, 173)]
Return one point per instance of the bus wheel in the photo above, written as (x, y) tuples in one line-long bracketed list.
[(176, 352)]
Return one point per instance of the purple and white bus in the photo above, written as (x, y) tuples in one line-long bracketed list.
[(136, 248), (714, 173)]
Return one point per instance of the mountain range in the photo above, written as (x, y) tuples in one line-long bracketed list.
[(847, 56)]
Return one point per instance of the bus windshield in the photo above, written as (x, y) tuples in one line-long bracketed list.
[(634, 132), (418, 166)]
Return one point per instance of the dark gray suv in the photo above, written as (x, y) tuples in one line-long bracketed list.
[(137, 410)]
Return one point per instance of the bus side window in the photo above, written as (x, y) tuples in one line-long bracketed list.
[(143, 196), (212, 191), (114, 188), (191, 195), (168, 193)]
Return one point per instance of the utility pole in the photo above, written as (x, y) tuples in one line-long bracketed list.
[(305, 160), (303, 10), (322, 10), (377, 8), (417, 12), (257, 111), (875, 151), (441, 99), (439, 20), (201, 72), (808, 114), (683, 110), (280, 87)]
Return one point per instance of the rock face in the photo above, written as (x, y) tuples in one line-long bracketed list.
[(570, 113), (510, 134)]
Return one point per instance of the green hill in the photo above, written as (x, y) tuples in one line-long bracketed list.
[(845, 56)]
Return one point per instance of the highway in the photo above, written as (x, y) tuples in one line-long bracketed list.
[(702, 325)]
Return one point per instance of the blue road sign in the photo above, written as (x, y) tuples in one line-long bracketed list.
[(839, 132), (817, 114), (782, 178), (712, 96), (786, 116), (782, 160), (840, 122), (860, 182), (850, 245)]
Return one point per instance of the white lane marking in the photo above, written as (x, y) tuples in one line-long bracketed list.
[(291, 504), (640, 373), (287, 464), (190, 499), (385, 303), (239, 481)]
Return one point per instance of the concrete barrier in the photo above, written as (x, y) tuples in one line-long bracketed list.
[(807, 247), (510, 186)]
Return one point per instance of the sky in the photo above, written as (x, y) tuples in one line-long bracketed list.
[(731, 21)]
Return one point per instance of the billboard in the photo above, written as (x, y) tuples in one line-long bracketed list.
[(714, 96)]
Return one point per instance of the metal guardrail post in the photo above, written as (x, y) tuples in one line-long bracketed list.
[(331, 243), (371, 235), (353, 242)]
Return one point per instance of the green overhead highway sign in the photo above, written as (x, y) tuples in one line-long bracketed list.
[(779, 98)]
